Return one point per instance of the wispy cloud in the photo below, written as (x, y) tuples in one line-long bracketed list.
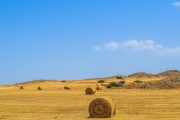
[(177, 4), (136, 45), (142, 45), (112, 45), (108, 46)]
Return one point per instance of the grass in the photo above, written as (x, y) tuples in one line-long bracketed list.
[(138, 81), (101, 81), (132, 104)]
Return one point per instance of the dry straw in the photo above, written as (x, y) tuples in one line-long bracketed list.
[(98, 88), (90, 90), (21, 87), (103, 107), (39, 88), (67, 88)]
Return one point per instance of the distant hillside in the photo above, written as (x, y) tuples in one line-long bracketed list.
[(170, 73), (141, 75), (37, 81), (167, 75)]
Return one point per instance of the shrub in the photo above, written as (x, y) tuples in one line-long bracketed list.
[(138, 81), (115, 84), (63, 81), (101, 81), (109, 86), (119, 77), (121, 83)]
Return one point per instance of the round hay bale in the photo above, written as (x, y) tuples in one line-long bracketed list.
[(103, 107), (98, 88), (90, 90), (68, 88), (21, 87), (65, 87), (39, 88)]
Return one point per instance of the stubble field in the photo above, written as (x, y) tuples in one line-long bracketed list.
[(55, 103)]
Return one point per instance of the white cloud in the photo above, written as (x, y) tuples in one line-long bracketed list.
[(168, 51), (176, 4), (109, 46), (112, 45), (142, 45), (136, 45)]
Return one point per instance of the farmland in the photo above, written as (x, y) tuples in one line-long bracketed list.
[(55, 103)]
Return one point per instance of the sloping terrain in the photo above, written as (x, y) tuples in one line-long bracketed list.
[(53, 102), (141, 75), (170, 73)]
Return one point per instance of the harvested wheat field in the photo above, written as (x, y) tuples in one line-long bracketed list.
[(89, 60), (55, 103)]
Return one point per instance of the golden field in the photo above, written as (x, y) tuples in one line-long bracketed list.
[(55, 103)]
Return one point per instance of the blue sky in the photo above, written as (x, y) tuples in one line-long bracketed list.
[(76, 39)]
